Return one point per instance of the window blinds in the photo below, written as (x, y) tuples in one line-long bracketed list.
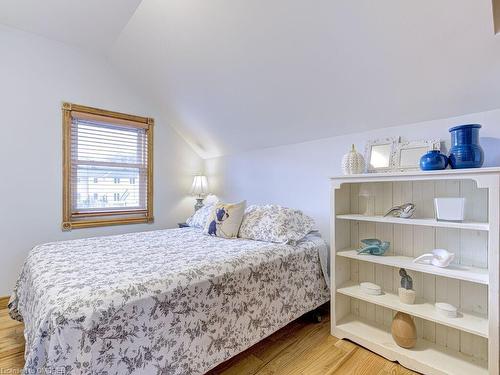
[(109, 166)]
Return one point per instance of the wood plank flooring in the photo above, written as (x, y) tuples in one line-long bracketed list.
[(302, 347)]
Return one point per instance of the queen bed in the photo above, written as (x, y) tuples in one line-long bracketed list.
[(171, 301)]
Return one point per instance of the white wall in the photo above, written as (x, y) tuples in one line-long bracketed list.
[(298, 175), (36, 75)]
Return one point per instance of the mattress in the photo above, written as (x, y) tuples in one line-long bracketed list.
[(162, 302)]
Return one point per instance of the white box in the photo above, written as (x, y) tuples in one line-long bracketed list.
[(449, 209)]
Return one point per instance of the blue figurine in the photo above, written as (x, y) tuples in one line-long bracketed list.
[(374, 246)]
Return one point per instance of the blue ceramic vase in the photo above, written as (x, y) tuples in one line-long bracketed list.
[(433, 160), (465, 150)]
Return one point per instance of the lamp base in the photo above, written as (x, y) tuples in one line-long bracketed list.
[(199, 204)]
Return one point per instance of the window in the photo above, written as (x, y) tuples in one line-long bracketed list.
[(106, 154)]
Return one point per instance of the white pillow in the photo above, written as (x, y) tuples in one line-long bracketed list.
[(199, 218), (273, 223), (225, 219)]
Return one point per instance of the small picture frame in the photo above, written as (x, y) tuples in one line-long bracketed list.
[(407, 155), (379, 154)]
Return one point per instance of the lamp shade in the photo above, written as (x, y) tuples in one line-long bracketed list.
[(200, 186)]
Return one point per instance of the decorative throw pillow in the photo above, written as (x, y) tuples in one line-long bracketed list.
[(225, 219), (199, 218), (273, 223)]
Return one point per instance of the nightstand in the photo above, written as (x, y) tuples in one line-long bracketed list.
[(183, 225)]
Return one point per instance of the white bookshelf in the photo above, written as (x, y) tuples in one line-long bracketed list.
[(463, 345)]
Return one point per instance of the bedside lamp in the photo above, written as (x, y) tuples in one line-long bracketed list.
[(199, 189)]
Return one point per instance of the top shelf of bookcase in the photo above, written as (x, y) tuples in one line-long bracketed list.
[(478, 174), (444, 172)]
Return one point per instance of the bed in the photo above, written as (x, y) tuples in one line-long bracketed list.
[(171, 301)]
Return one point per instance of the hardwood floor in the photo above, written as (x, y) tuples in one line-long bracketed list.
[(11, 343), (302, 347)]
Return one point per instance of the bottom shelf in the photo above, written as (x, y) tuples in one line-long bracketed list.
[(425, 357)]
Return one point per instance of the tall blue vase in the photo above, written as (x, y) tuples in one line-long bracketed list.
[(465, 150)]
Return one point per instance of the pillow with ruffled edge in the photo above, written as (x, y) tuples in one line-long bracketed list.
[(273, 223), (200, 217)]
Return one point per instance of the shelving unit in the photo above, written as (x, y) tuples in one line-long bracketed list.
[(463, 345)]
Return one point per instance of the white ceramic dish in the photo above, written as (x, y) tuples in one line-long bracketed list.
[(446, 309), (371, 288)]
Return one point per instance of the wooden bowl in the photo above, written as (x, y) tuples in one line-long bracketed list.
[(403, 330)]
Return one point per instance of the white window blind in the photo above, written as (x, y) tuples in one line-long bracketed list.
[(109, 167)]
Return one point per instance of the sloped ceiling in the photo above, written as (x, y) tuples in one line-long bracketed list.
[(239, 75), (247, 74), (91, 24)]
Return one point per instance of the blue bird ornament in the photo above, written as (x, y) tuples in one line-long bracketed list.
[(374, 246)]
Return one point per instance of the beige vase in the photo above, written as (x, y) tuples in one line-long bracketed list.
[(403, 330)]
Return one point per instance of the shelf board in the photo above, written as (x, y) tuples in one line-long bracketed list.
[(468, 322), (421, 222), (425, 357), (417, 173), (454, 271)]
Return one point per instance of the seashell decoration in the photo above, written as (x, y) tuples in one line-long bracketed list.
[(438, 258), (353, 162)]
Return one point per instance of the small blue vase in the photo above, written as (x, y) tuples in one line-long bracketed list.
[(433, 160), (465, 150)]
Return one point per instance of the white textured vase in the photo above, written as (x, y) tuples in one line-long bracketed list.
[(353, 162), (407, 296)]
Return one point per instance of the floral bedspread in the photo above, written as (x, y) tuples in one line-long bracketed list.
[(163, 302)]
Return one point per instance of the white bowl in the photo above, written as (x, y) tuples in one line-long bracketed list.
[(446, 309), (371, 288)]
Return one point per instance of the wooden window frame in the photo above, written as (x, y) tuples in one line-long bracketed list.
[(72, 220)]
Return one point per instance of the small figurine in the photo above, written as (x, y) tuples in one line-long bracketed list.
[(404, 211), (374, 246), (438, 258), (406, 292), (406, 280)]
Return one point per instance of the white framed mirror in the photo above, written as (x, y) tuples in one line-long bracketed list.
[(379, 154), (408, 154)]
